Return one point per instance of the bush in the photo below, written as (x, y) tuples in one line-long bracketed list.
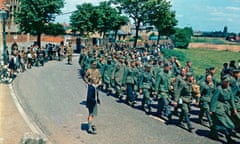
[(182, 37), (168, 53)]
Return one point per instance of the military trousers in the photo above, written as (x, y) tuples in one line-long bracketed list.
[(130, 93), (184, 113), (146, 97), (163, 106), (204, 109)]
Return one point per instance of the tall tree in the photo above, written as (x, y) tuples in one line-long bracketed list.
[(118, 22), (102, 18), (54, 29), (163, 19), (106, 15), (138, 10), (81, 19), (35, 14)]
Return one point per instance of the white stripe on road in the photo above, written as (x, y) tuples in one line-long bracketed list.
[(157, 118)]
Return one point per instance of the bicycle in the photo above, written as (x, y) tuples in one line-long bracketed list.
[(5, 76)]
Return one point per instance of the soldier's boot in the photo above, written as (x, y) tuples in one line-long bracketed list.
[(180, 124), (213, 133), (190, 128), (209, 119), (169, 118), (230, 140), (94, 128), (90, 128)]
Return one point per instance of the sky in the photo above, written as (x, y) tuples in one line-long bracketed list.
[(201, 15)]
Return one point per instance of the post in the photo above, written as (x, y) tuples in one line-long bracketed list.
[(3, 15)]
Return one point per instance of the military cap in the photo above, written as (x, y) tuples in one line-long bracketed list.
[(189, 74), (94, 62), (207, 69), (166, 64), (226, 78), (211, 68), (101, 55), (147, 66)]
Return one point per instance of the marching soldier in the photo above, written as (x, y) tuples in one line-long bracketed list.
[(183, 99), (221, 108), (108, 75), (162, 89), (93, 79), (131, 80), (236, 93), (120, 77), (207, 88), (145, 87)]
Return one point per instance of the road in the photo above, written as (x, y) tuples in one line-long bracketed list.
[(54, 97)]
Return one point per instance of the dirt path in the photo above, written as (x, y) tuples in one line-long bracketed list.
[(235, 48)]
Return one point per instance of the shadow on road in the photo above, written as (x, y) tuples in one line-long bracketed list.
[(83, 103), (84, 127), (205, 133)]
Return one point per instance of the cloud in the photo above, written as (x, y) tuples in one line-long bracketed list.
[(231, 8)]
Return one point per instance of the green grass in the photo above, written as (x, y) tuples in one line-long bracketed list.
[(202, 58)]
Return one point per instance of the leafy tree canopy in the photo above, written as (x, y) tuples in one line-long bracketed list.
[(35, 14)]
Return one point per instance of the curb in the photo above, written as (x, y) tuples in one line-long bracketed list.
[(30, 123)]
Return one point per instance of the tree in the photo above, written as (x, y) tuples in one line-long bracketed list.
[(102, 18), (182, 37), (54, 29), (81, 19), (163, 19), (138, 10), (106, 16), (34, 15), (117, 23)]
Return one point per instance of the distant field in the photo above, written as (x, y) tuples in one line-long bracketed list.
[(203, 58), (212, 40)]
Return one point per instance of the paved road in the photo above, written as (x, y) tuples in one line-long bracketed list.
[(54, 97)]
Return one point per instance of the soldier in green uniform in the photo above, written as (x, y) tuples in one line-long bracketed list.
[(101, 64), (131, 81), (120, 76), (69, 53), (207, 88), (145, 87), (162, 89), (177, 84), (108, 75), (236, 93), (87, 63), (221, 108), (93, 79), (183, 99)]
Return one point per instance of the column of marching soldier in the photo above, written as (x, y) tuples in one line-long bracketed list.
[(132, 73)]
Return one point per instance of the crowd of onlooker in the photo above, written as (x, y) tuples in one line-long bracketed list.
[(19, 59)]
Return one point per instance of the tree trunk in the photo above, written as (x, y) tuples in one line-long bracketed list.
[(159, 37), (39, 39), (115, 34), (136, 37)]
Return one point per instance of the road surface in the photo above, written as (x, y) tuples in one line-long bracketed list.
[(54, 97)]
